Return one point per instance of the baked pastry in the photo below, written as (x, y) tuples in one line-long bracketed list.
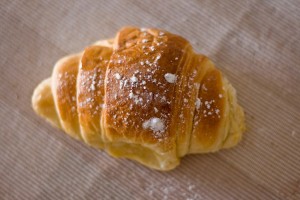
[(144, 95)]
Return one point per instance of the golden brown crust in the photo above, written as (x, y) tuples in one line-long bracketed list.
[(43, 103), (90, 94), (187, 92), (64, 92), (208, 118), (144, 95)]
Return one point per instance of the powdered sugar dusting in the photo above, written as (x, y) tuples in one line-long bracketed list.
[(93, 88), (131, 95), (90, 95), (144, 91), (155, 124), (117, 76), (144, 40), (66, 91), (157, 58), (171, 78), (167, 187), (133, 79), (198, 103)]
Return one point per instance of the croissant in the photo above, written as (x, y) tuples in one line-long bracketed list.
[(143, 95)]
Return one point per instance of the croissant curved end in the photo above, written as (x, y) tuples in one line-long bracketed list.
[(236, 118), (43, 103)]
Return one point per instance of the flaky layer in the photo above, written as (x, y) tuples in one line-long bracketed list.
[(91, 93), (144, 95)]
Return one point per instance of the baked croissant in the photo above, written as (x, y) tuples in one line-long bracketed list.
[(144, 95)]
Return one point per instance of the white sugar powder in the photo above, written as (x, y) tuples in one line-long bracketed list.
[(171, 78), (198, 103), (133, 79), (155, 124), (117, 76), (131, 95)]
